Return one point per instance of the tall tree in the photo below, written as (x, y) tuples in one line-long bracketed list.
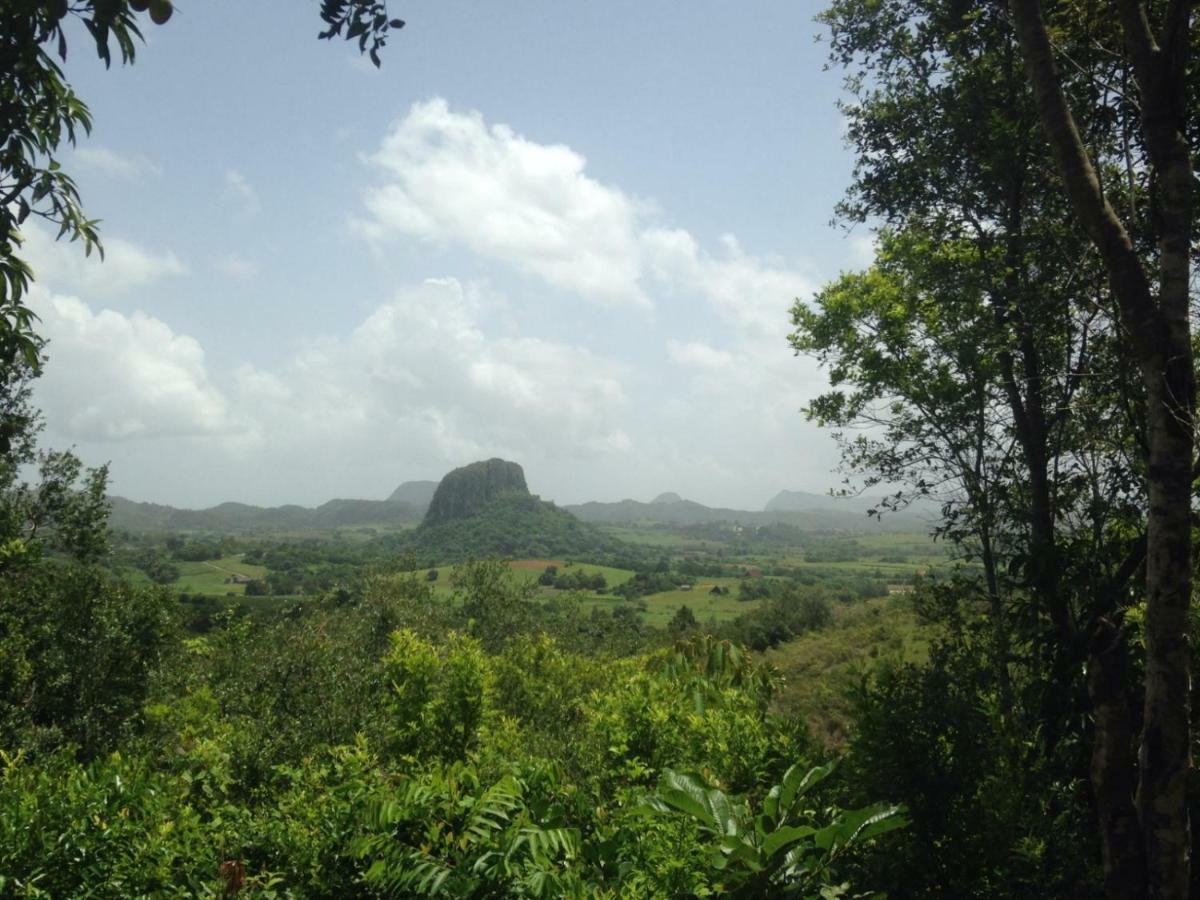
[(951, 146), (1153, 295)]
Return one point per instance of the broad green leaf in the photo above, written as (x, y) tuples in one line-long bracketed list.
[(785, 837)]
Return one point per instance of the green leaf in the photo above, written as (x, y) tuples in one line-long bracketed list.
[(796, 783), (783, 838)]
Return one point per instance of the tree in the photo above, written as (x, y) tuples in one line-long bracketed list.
[(683, 621), (1152, 288), (985, 293), (39, 112)]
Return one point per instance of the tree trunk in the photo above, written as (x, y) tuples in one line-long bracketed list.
[(1112, 769), (1159, 332)]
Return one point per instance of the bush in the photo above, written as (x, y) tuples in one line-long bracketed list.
[(77, 647)]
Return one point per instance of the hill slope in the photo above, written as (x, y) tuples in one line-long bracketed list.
[(514, 526), (418, 494), (132, 516), (832, 514), (485, 509)]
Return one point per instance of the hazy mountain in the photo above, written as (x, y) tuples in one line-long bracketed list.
[(808, 511), (466, 491), (132, 516), (414, 493), (792, 501)]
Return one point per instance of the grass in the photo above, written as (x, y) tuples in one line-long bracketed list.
[(655, 537), (661, 608), (209, 577), (529, 570), (822, 667)]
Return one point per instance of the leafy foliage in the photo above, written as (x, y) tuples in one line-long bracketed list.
[(451, 835), (781, 851)]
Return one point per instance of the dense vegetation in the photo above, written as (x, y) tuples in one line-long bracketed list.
[(1017, 724), (394, 744), (511, 524)]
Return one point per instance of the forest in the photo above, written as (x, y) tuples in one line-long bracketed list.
[(478, 693)]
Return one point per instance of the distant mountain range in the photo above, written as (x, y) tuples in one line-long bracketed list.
[(816, 512), (797, 501), (408, 504)]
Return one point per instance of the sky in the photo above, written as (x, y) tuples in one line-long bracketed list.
[(564, 234)]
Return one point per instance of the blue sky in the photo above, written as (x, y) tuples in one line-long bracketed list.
[(566, 234)]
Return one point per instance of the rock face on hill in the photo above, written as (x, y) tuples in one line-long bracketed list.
[(465, 492), (485, 509), (668, 497)]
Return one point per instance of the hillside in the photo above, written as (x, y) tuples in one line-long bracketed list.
[(820, 514), (418, 494), (467, 490), (797, 501), (511, 525), (133, 516)]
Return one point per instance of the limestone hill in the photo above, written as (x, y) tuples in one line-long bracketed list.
[(485, 509), (467, 491)]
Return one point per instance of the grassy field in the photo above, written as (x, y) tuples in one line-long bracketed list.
[(209, 577), (662, 607), (533, 568), (822, 667), (657, 537)]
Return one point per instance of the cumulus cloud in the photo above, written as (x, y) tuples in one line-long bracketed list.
[(236, 266), (702, 396), (747, 292), (699, 355), (113, 164), (421, 377), (242, 193), (419, 383), (114, 377), (124, 266), (419, 386), (453, 178)]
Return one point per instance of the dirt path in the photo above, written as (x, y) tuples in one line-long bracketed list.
[(221, 568)]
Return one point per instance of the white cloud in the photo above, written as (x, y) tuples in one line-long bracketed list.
[(863, 248), (236, 266), (113, 377), (421, 378), (750, 293), (419, 386), (63, 266), (699, 355), (455, 179), (113, 164), (703, 396), (452, 178), (239, 189)]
